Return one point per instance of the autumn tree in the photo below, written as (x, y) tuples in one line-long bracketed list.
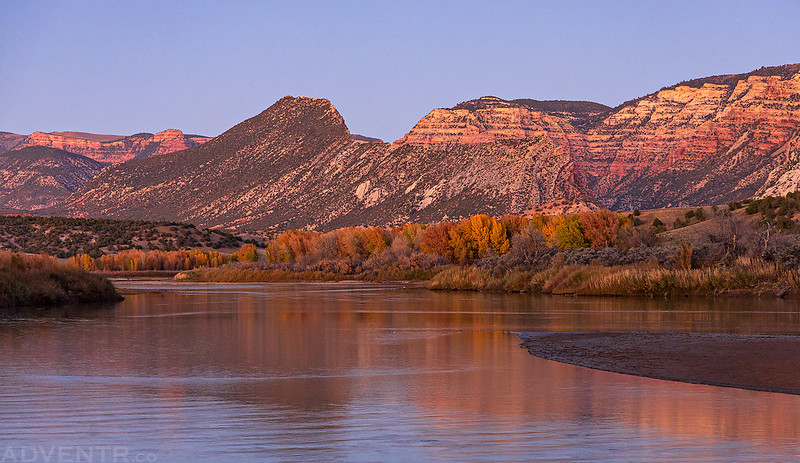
[(462, 242), (514, 223), (436, 240), (247, 253), (294, 244), (413, 233), (489, 234), (569, 234), (600, 227), (477, 237), (375, 240), (540, 221)]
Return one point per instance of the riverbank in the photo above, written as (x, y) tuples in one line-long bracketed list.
[(34, 280), (249, 274), (763, 363), (745, 277)]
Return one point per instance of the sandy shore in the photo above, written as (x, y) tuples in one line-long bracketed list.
[(764, 363)]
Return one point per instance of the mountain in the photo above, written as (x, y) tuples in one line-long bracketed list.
[(37, 177), (704, 141), (297, 165), (108, 149), (9, 141)]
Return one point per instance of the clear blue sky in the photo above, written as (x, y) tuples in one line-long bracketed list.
[(141, 66)]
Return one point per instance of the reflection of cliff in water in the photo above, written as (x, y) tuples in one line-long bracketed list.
[(312, 353)]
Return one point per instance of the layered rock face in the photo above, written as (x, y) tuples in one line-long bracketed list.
[(710, 141), (489, 120), (112, 149), (37, 177), (296, 165), (785, 176)]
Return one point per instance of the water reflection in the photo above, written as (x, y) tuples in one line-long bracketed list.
[(314, 371)]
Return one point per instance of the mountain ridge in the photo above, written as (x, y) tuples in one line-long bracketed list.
[(108, 149), (296, 164)]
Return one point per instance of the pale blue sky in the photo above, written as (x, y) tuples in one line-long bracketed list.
[(141, 66)]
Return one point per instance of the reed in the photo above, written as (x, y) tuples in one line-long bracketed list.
[(744, 277)]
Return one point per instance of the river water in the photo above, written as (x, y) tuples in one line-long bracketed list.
[(359, 372)]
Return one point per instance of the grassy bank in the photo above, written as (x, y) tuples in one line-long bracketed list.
[(233, 274), (33, 280), (743, 277)]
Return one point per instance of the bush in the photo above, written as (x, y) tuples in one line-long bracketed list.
[(27, 280)]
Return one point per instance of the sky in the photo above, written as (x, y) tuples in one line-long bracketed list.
[(124, 67)]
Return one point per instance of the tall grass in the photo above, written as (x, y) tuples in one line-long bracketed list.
[(242, 274), (743, 277), (35, 280)]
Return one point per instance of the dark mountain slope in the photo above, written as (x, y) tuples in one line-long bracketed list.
[(38, 177)]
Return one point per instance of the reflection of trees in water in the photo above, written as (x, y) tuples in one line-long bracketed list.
[(316, 354)]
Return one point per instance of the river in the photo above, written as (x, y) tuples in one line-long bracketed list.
[(361, 372)]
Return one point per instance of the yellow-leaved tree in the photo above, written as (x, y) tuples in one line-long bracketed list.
[(569, 233), (247, 253), (479, 236)]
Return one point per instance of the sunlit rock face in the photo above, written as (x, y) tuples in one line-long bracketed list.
[(706, 141), (112, 149), (491, 119)]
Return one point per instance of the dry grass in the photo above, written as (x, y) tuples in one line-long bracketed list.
[(34, 280), (744, 277), (234, 274)]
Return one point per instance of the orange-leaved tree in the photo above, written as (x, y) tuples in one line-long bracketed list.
[(600, 227), (479, 236), (436, 240)]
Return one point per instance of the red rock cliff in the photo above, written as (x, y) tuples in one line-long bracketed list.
[(107, 149)]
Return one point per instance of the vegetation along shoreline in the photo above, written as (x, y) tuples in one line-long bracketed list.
[(747, 248)]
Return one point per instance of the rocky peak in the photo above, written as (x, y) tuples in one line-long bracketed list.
[(365, 139), (307, 114), (9, 141), (298, 117), (169, 134)]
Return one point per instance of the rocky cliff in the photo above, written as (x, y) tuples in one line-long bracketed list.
[(491, 119), (107, 149), (37, 177), (705, 141), (296, 165)]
